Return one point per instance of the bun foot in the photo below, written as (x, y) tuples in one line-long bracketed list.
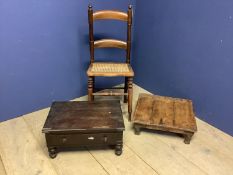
[(118, 149), (52, 152)]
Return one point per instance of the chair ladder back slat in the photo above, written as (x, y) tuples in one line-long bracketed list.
[(110, 14), (106, 43)]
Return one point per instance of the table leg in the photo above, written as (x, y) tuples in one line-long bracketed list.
[(137, 129), (187, 138), (118, 149), (52, 152)]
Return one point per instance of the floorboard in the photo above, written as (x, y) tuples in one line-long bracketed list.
[(23, 151), (201, 152), (217, 137), (128, 163), (2, 168), (20, 152)]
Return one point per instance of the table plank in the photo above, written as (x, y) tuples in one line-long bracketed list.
[(164, 113)]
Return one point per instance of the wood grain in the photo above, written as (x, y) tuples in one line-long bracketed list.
[(128, 163), (160, 156), (205, 151), (167, 112), (2, 168), (110, 14), (20, 151), (217, 138), (105, 43)]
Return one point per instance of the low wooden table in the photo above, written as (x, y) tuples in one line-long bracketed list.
[(166, 114), (81, 124)]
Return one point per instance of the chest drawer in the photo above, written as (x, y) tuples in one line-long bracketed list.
[(90, 139)]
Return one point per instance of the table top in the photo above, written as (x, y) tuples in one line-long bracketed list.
[(165, 113), (83, 116)]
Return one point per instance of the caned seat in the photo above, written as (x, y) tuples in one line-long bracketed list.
[(110, 69)]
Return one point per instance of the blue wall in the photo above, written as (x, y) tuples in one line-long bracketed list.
[(44, 51), (185, 49)]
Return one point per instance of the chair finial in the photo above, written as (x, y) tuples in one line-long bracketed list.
[(89, 6), (130, 6)]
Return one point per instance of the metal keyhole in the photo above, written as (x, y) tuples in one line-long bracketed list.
[(91, 138), (105, 139), (64, 140)]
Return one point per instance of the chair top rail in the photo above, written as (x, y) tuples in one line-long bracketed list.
[(110, 14)]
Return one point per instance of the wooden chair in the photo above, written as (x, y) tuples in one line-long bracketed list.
[(111, 69)]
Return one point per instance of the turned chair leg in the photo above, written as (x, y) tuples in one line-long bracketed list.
[(126, 89), (130, 96), (93, 87), (90, 88)]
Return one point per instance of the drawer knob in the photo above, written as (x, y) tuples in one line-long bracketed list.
[(91, 138)]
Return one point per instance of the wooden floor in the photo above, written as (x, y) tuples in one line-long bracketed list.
[(23, 151)]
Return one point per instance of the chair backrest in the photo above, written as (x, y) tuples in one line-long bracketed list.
[(105, 43)]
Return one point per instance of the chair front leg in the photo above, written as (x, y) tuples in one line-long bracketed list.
[(93, 87), (126, 89), (90, 88), (130, 96)]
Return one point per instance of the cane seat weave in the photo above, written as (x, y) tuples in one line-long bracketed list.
[(110, 69)]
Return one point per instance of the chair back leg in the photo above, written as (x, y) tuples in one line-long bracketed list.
[(130, 96), (126, 90), (90, 88)]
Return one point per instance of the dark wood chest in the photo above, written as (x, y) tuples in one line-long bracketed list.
[(81, 124)]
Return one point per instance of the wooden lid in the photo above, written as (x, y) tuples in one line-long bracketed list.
[(83, 116), (165, 113)]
